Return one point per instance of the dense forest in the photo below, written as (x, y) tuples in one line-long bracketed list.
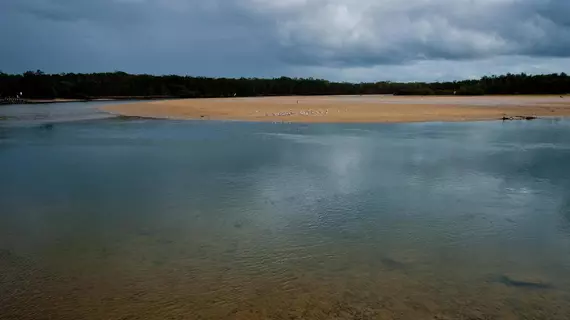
[(38, 85)]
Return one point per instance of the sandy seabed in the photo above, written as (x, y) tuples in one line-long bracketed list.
[(370, 108)]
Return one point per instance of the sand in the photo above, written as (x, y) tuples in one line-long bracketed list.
[(347, 109)]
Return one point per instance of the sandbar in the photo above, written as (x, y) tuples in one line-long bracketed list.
[(350, 109)]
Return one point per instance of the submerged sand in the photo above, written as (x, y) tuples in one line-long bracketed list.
[(375, 108)]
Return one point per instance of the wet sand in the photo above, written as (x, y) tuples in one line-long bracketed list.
[(348, 109)]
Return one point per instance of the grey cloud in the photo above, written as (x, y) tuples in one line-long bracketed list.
[(358, 39), (108, 11), (165, 36), (367, 32)]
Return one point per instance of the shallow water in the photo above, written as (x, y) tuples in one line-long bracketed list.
[(48, 113), (156, 219)]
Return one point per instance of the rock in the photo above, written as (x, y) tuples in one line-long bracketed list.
[(505, 118)]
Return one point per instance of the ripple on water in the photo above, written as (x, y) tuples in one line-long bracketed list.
[(158, 219)]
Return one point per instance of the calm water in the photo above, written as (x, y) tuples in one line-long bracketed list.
[(34, 114), (127, 219)]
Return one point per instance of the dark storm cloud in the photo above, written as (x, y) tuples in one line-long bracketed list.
[(198, 37), (369, 32), (270, 38), (60, 10)]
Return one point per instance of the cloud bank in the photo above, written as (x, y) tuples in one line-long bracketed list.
[(352, 40)]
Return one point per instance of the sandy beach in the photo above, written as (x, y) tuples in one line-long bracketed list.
[(346, 109)]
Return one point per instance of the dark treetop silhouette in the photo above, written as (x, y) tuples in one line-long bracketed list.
[(38, 85)]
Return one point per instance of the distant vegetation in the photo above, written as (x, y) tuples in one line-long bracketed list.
[(38, 85)]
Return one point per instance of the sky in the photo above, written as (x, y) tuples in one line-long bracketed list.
[(339, 40)]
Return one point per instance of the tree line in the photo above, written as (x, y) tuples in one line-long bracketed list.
[(39, 85)]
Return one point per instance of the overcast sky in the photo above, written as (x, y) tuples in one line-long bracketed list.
[(343, 40)]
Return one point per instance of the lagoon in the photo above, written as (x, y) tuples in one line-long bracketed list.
[(119, 218)]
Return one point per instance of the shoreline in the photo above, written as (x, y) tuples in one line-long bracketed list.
[(351, 109), (15, 101)]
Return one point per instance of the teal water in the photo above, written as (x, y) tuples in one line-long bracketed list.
[(114, 218)]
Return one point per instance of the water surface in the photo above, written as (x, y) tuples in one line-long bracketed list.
[(49, 113), (124, 219)]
